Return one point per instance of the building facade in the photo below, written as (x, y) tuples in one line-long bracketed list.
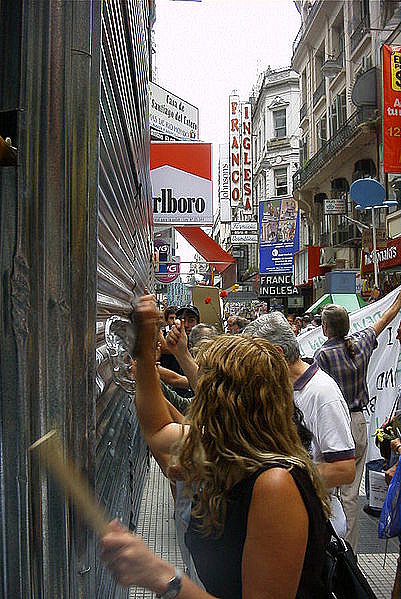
[(275, 125), (337, 53)]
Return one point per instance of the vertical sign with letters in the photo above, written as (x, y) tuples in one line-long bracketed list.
[(246, 158), (235, 150)]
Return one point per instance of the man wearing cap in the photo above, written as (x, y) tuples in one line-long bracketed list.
[(191, 317)]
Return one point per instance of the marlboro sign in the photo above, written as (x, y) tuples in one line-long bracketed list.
[(181, 175)]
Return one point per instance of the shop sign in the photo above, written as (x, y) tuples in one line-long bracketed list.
[(181, 175), (335, 206), (277, 285), (224, 184), (246, 158), (171, 115), (387, 257), (391, 109), (167, 268), (235, 150), (244, 226), (278, 235), (244, 238)]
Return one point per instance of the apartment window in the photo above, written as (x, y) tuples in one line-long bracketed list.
[(321, 131), (280, 125), (303, 150), (280, 182), (342, 108), (338, 113)]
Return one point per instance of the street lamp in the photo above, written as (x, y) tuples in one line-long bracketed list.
[(369, 194)]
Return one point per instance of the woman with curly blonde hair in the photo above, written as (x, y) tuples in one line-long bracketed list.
[(258, 524)]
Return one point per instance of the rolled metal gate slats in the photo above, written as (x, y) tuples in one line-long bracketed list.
[(124, 258), (78, 249)]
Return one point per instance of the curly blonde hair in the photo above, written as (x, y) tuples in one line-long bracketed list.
[(240, 420)]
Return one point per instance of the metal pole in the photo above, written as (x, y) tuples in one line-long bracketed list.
[(375, 263)]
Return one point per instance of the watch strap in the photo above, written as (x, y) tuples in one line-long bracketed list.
[(174, 586)]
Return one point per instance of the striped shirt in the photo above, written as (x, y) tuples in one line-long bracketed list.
[(349, 373)]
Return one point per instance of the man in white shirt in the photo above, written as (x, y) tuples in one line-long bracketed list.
[(319, 398)]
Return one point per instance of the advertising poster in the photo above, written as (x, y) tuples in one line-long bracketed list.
[(392, 109), (181, 175), (278, 235)]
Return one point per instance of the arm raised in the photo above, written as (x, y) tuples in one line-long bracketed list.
[(388, 316), (154, 416), (177, 344)]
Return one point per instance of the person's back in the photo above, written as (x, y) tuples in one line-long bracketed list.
[(218, 559), (346, 358)]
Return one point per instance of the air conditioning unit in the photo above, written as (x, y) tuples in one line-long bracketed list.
[(327, 256)]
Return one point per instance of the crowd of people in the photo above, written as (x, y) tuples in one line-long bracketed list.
[(238, 422)]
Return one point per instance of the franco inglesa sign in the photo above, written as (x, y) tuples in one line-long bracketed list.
[(181, 175), (170, 117), (277, 285)]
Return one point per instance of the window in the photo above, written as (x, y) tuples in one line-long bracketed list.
[(321, 131), (280, 182), (280, 126), (303, 150), (338, 113)]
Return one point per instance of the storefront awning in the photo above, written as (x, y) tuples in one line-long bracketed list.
[(207, 248), (350, 301)]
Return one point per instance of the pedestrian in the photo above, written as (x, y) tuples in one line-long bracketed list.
[(346, 358), (241, 452), (324, 409), (170, 315)]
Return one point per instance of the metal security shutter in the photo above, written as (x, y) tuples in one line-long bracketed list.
[(124, 250), (75, 247)]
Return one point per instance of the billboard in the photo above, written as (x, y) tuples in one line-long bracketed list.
[(391, 109), (278, 235), (171, 116), (181, 175)]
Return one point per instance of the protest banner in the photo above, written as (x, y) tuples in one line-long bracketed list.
[(384, 365)]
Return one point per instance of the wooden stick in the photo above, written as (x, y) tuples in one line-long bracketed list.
[(50, 452)]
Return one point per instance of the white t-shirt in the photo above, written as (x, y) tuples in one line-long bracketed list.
[(326, 415)]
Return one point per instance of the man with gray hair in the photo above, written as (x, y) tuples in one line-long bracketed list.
[(323, 406)]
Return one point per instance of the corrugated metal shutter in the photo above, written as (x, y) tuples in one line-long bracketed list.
[(75, 247), (124, 248)]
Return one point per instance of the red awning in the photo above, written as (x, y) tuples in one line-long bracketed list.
[(207, 247)]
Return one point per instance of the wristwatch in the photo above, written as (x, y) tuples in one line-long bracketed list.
[(174, 586)]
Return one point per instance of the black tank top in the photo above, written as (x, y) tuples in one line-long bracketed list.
[(218, 561)]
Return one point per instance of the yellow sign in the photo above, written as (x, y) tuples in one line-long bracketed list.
[(396, 71)]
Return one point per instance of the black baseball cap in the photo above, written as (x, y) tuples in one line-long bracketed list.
[(190, 308)]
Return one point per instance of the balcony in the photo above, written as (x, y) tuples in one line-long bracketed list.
[(345, 134), (359, 33), (302, 112), (319, 92), (305, 26)]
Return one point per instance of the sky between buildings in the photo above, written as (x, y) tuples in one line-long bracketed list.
[(205, 50)]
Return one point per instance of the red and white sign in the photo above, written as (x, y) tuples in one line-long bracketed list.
[(387, 257), (181, 175), (392, 109), (235, 150), (246, 158)]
